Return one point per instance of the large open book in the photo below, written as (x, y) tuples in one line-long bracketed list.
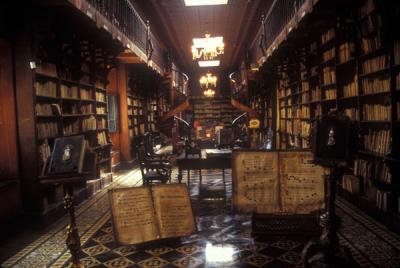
[(147, 213), (277, 182)]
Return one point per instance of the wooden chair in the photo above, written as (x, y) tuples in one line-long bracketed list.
[(149, 148), (193, 150), (153, 170)]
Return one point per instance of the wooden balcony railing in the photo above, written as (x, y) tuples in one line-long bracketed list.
[(282, 17), (120, 18)]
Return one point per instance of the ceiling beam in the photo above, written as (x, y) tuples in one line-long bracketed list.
[(162, 22), (129, 58)]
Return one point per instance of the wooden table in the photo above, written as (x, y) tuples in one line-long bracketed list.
[(210, 159)]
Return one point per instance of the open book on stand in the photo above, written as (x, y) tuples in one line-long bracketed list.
[(142, 214)]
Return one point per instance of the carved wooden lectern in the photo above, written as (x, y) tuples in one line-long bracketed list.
[(333, 142), (63, 155)]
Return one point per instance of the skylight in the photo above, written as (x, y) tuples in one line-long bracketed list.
[(208, 42), (209, 63), (205, 2)]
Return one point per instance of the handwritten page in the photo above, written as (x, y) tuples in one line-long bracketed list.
[(255, 181), (302, 183), (173, 210), (133, 215), (277, 182)]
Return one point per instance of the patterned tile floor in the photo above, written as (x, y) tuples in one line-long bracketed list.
[(221, 233)]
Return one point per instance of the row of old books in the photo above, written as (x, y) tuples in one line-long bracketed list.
[(289, 127), (44, 152), (363, 168), (283, 113), (328, 55), (351, 183), (47, 129), (371, 23), (377, 141), (376, 85), (100, 96), (328, 75), (327, 36), (375, 64), (102, 138), (43, 109), (303, 72), (297, 127), (316, 94), (71, 127), (86, 108), (86, 94), (350, 89), (89, 123), (317, 110), (304, 112), (376, 112), (289, 112), (352, 113), (372, 170), (330, 94), (101, 110), (304, 98), (305, 86), (382, 173), (382, 199), (69, 91), (48, 89), (73, 108), (305, 128), (371, 44), (346, 52), (282, 124), (101, 123)]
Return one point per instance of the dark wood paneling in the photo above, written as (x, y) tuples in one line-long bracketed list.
[(8, 128), (123, 111), (9, 172)]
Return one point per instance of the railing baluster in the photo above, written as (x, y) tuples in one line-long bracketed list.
[(122, 15)]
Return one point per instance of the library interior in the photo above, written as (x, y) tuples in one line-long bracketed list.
[(199, 133)]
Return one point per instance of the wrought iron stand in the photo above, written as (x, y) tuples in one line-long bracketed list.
[(327, 252)]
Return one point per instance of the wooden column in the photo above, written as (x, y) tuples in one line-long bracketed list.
[(125, 141), (32, 197), (9, 166)]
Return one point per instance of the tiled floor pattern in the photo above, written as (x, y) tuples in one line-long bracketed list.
[(219, 229)]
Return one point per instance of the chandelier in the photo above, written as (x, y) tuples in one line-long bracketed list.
[(207, 48), (208, 80), (209, 93)]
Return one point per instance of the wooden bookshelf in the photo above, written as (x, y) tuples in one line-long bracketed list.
[(350, 65), (66, 96), (212, 110)]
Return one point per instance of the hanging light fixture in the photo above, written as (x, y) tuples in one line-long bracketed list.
[(209, 93), (208, 80), (207, 48)]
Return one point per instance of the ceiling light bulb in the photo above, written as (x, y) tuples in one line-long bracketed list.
[(205, 2)]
